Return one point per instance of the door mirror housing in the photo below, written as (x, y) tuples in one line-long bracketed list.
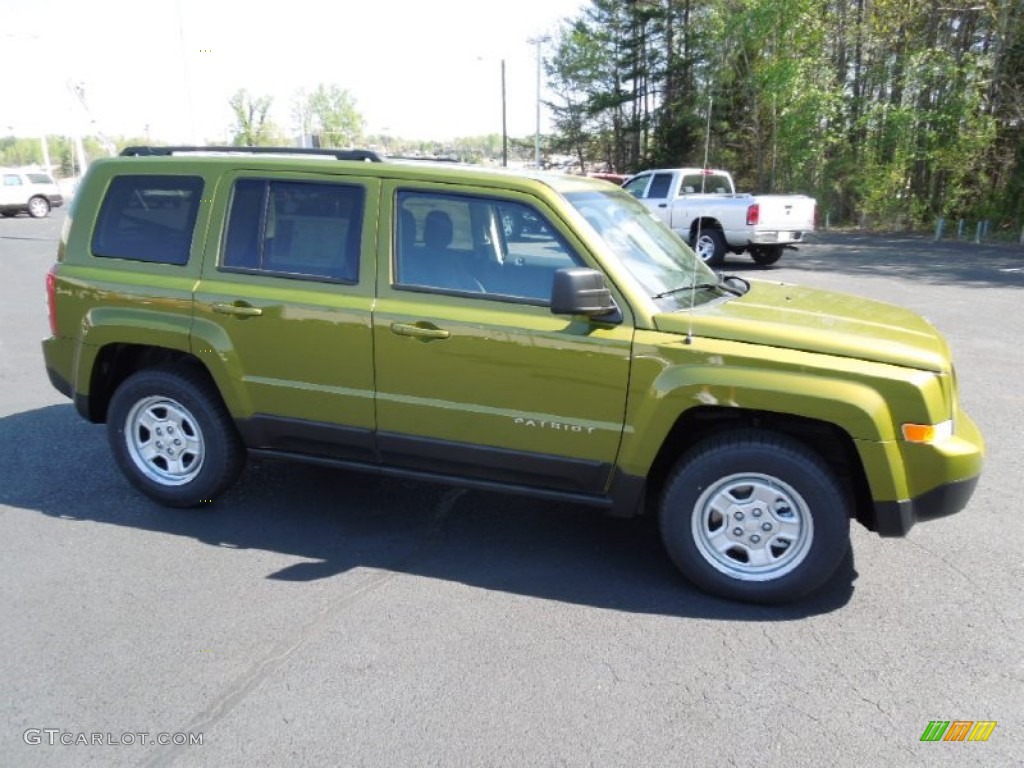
[(582, 291)]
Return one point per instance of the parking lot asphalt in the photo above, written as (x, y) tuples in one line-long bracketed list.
[(320, 617)]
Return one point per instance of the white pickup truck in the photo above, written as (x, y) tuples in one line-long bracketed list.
[(703, 207)]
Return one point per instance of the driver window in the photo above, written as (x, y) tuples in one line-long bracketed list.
[(499, 250)]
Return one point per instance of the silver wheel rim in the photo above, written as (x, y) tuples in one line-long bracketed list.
[(37, 207), (164, 441), (705, 247), (752, 527)]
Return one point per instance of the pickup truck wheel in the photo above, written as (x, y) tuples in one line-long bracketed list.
[(38, 207), (766, 255), (173, 438), (710, 246), (755, 516)]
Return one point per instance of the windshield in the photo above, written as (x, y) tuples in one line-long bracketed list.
[(653, 254)]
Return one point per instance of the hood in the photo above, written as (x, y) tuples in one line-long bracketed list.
[(794, 317)]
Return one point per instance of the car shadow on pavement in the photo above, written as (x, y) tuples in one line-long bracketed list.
[(334, 520), (916, 257)]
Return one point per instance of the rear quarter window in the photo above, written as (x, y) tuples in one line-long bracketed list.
[(148, 218)]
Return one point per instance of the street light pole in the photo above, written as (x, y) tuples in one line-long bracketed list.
[(538, 41)]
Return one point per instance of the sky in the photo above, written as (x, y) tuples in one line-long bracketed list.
[(417, 69)]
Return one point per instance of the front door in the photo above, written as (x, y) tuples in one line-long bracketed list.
[(475, 375)]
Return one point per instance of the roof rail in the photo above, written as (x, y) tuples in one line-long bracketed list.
[(364, 155)]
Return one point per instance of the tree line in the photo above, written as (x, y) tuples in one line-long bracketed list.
[(886, 111)]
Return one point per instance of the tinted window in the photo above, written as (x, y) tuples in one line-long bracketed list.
[(295, 229), (495, 248), (39, 178), (148, 218), (660, 185)]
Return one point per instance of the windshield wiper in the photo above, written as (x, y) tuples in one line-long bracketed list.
[(699, 286)]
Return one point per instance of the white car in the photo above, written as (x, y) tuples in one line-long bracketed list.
[(31, 191)]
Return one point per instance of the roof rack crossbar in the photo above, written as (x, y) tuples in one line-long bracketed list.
[(364, 155)]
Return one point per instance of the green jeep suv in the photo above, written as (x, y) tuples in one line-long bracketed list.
[(329, 308)]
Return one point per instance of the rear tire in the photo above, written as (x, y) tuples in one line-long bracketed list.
[(172, 437), (766, 255), (755, 516)]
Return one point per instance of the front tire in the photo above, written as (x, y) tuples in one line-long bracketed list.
[(172, 437), (755, 516), (38, 207), (710, 246)]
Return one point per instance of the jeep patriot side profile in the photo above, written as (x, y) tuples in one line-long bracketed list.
[(377, 316)]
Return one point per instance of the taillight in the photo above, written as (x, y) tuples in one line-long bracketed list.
[(51, 298), (753, 214)]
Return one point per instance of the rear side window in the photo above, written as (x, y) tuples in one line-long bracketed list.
[(148, 218), (39, 178), (10, 180), (295, 229)]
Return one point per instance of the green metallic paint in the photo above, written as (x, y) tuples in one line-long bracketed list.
[(509, 376), (792, 317)]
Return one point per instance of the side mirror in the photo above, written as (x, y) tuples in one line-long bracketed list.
[(582, 291)]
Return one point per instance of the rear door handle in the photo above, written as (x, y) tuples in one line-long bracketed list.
[(420, 331), (239, 309)]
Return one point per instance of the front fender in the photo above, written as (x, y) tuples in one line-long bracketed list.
[(662, 392)]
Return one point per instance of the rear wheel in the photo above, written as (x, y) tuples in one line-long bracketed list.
[(766, 255), (710, 246), (755, 516), (38, 207), (173, 438)]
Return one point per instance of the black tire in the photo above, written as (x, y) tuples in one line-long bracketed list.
[(710, 246), (172, 437), (766, 255), (761, 496), (38, 207)]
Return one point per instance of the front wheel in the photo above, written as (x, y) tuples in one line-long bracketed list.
[(38, 207), (755, 516), (710, 246), (173, 438)]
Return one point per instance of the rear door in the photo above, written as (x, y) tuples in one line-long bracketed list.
[(283, 307), (475, 376)]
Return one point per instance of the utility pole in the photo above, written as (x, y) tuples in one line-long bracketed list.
[(504, 120), (538, 41)]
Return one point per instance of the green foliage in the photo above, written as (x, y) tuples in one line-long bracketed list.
[(330, 112), (252, 128), (890, 111)]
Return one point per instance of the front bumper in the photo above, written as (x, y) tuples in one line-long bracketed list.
[(956, 463), (896, 518)]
